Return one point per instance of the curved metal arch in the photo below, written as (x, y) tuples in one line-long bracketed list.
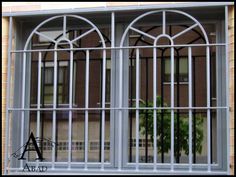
[(161, 36), (62, 16), (154, 27), (51, 43), (158, 11)]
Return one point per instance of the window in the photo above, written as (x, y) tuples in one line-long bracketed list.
[(62, 82), (102, 98), (182, 75)]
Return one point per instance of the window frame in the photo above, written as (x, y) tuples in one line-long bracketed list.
[(221, 34)]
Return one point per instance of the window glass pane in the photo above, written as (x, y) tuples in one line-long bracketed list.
[(61, 75), (183, 66), (49, 75), (167, 66), (78, 136), (48, 89)]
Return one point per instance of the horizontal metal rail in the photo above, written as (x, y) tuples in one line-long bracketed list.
[(199, 165), (64, 171), (117, 48), (123, 108)]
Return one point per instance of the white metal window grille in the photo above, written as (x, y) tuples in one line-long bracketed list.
[(118, 164)]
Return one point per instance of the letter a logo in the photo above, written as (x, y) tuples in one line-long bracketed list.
[(31, 137)]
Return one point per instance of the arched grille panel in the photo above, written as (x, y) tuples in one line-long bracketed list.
[(145, 96)]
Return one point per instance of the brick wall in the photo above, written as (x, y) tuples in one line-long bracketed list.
[(231, 85), (5, 22)]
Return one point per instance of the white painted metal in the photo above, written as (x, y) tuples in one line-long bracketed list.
[(120, 111), (190, 105), (208, 110), (39, 96), (54, 106), (116, 48), (22, 106), (116, 108), (154, 107), (137, 111), (120, 108), (103, 106), (172, 111), (163, 22), (70, 106), (86, 112)]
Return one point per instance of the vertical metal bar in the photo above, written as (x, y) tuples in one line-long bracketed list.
[(211, 87), (208, 110), (163, 22), (137, 111), (8, 93), (194, 111), (146, 114), (162, 104), (64, 26), (54, 106), (86, 111), (67, 92), (23, 105), (103, 106), (177, 101), (154, 107), (39, 96), (190, 105), (113, 29), (120, 111), (227, 88), (43, 93), (70, 106), (112, 86), (57, 104), (100, 121), (131, 104), (172, 111)]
